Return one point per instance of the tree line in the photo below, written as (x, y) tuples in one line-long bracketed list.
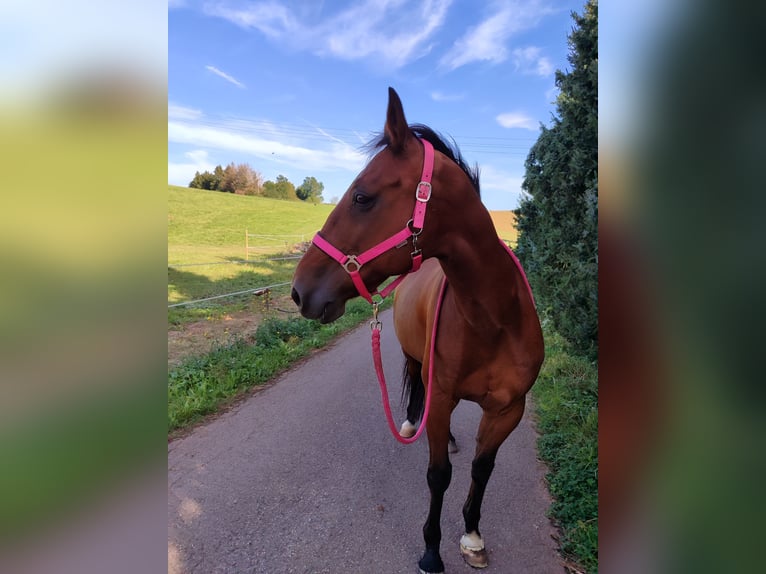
[(244, 180)]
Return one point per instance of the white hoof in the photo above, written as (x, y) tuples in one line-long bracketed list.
[(408, 429), (473, 551)]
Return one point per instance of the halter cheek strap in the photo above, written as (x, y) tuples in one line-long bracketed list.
[(413, 228)]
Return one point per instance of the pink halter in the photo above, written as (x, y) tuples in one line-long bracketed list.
[(413, 228)]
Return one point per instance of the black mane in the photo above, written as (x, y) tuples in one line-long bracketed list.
[(449, 149)]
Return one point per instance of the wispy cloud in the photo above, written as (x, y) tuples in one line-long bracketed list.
[(314, 149), (529, 61), (517, 120), (225, 76), (392, 32), (270, 18), (182, 112), (438, 96), (499, 179), (500, 186), (486, 42)]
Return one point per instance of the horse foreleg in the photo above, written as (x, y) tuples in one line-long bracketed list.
[(493, 430), (439, 476)]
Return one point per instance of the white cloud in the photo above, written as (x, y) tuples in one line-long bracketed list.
[(225, 76), (270, 18), (500, 179), (486, 42), (529, 61), (393, 32), (267, 142), (438, 96), (544, 67), (178, 112), (517, 120), (500, 188), (182, 173)]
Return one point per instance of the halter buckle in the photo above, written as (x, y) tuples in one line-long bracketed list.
[(351, 261), (423, 192)]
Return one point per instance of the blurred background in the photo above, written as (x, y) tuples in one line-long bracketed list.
[(83, 142), (682, 113), (83, 108)]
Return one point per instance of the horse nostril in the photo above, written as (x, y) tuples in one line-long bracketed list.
[(296, 297)]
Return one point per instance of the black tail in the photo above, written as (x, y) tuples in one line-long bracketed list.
[(413, 391)]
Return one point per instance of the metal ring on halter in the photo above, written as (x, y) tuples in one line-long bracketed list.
[(376, 326), (351, 260), (412, 229)]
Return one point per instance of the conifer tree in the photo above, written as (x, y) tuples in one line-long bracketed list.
[(557, 221)]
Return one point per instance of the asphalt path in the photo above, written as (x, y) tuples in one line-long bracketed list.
[(304, 477)]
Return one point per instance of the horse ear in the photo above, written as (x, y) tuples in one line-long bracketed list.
[(397, 131)]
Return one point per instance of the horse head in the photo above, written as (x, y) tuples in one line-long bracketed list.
[(377, 208)]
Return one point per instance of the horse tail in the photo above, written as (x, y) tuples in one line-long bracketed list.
[(413, 391)]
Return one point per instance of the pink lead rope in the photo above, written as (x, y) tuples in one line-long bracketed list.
[(376, 327)]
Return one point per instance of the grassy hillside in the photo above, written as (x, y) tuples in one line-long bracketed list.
[(211, 223), (206, 239)]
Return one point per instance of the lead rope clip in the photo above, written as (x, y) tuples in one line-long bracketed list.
[(375, 325)]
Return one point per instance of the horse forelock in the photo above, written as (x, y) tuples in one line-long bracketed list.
[(450, 149)]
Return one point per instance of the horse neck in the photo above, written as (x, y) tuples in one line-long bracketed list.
[(488, 287)]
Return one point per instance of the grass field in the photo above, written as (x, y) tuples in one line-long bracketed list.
[(206, 240), (204, 224)]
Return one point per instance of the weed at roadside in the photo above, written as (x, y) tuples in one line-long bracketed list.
[(566, 399), (199, 385)]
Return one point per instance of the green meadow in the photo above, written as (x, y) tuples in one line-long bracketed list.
[(206, 246)]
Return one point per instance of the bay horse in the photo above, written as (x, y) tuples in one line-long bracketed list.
[(489, 347)]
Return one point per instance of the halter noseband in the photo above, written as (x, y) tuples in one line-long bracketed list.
[(413, 228)]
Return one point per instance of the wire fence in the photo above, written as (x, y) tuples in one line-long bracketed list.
[(266, 244), (236, 261), (235, 294)]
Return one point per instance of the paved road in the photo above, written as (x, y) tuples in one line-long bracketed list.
[(304, 477)]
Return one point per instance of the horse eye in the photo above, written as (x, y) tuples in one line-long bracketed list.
[(362, 199)]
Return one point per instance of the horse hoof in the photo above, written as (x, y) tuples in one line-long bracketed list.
[(475, 558), (473, 551), (431, 563), (408, 429)]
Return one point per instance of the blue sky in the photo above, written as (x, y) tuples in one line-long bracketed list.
[(296, 88)]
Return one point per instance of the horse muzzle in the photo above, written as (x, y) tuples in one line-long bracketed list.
[(317, 304)]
